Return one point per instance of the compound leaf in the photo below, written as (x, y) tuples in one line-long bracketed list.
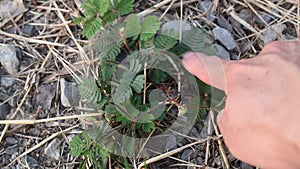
[(137, 83), (166, 40), (124, 6), (150, 26), (91, 27), (133, 26), (196, 41), (89, 90)]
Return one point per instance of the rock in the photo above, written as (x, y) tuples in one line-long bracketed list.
[(12, 150), (11, 140), (224, 37), (186, 154), (223, 23), (246, 15), (174, 25), (7, 81), (44, 96), (265, 17), (8, 59), (29, 160), (205, 6), (245, 166), (53, 149), (171, 143), (27, 29), (235, 57), (222, 52), (69, 93), (13, 7), (272, 33)]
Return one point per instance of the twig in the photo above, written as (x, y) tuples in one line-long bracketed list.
[(41, 143), (30, 40), (222, 152), (7, 122), (145, 83), (154, 8), (167, 154), (169, 7)]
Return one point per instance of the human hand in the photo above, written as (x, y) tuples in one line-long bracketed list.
[(261, 120)]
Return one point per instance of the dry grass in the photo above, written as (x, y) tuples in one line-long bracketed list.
[(56, 50)]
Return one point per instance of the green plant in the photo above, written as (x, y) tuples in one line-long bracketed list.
[(98, 13), (123, 92), (93, 154), (134, 40)]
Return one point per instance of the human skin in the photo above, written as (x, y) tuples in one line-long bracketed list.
[(261, 120)]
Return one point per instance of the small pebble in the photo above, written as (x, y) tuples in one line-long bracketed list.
[(187, 153), (205, 6), (246, 15), (53, 149), (7, 81), (222, 52), (171, 143), (265, 17), (225, 37), (8, 59), (272, 34), (11, 140), (69, 93), (223, 23)]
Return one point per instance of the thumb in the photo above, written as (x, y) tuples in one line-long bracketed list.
[(209, 69)]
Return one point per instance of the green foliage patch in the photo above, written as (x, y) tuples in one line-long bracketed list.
[(120, 90)]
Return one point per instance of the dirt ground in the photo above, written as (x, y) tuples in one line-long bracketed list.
[(48, 57)]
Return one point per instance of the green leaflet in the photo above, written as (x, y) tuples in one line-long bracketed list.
[(133, 26), (89, 90), (196, 41), (166, 40), (124, 6), (150, 26), (137, 84), (91, 27), (99, 13)]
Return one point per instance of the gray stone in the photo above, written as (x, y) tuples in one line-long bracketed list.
[(175, 26), (186, 154), (235, 57), (28, 29), (11, 140), (69, 93), (272, 33), (246, 15), (11, 150), (8, 59), (29, 160), (44, 96), (222, 52), (265, 17), (223, 23), (205, 6), (7, 81), (171, 143), (53, 149), (13, 8), (224, 37)]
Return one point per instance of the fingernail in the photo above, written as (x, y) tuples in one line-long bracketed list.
[(188, 55)]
